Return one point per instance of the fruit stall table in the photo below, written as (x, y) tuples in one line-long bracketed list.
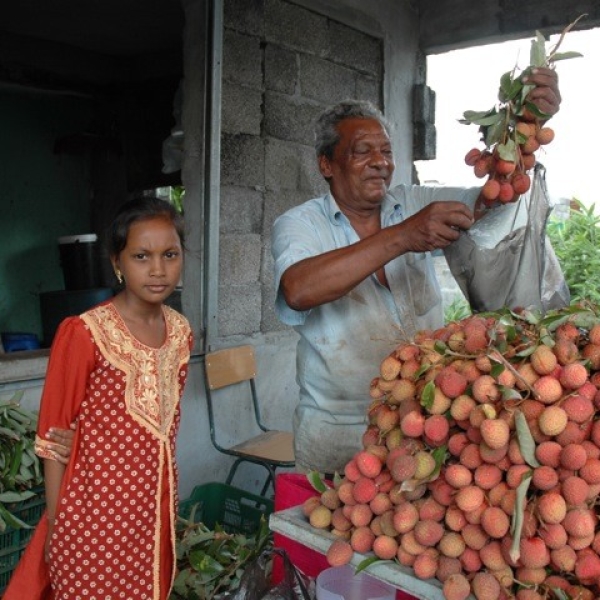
[(293, 524)]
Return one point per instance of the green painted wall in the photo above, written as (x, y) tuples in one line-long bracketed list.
[(43, 195)]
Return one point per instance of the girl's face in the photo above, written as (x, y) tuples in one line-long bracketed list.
[(152, 260)]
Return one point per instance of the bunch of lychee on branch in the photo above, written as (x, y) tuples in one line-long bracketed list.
[(512, 131), (480, 464)]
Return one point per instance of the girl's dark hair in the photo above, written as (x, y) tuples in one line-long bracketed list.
[(140, 209)]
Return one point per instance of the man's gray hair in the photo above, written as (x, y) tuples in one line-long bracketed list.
[(327, 136)]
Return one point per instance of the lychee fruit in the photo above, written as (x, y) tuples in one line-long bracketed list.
[(543, 360), (553, 420), (495, 522), (436, 429), (456, 587), (451, 544), (469, 498), (403, 467), (320, 517), (573, 376), (368, 464), (390, 368), (428, 532), (485, 586), (403, 390), (548, 389), (385, 547), (451, 382), (552, 508), (339, 553), (534, 553), (495, 432), (362, 539), (484, 389)]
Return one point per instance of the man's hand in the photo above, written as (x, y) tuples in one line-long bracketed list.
[(63, 442), (545, 95), (437, 225)]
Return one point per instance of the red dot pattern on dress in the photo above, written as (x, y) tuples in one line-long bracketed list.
[(103, 544)]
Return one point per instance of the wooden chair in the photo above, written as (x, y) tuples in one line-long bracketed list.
[(270, 448)]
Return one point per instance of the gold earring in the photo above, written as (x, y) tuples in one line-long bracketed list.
[(119, 276)]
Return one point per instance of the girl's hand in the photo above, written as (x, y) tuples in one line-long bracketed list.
[(63, 442)]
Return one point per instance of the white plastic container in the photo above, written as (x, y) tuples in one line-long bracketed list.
[(340, 583)]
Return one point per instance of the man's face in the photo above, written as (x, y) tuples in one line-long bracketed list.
[(362, 165)]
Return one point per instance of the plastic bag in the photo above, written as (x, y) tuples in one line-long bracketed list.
[(255, 582), (506, 260)]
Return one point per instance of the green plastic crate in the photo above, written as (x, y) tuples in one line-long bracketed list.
[(14, 541), (236, 510)]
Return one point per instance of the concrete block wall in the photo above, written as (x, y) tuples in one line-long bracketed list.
[(282, 64)]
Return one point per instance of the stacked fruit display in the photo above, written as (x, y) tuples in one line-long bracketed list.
[(480, 463), (513, 131)]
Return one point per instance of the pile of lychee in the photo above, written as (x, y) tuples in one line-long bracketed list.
[(508, 177), (480, 464)]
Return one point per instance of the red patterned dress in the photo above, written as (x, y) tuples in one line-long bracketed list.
[(114, 535)]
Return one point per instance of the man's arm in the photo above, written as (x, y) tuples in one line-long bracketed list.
[(331, 275)]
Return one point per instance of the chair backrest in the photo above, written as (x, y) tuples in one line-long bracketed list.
[(230, 366)]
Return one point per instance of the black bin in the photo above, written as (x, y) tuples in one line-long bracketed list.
[(56, 306), (80, 261)]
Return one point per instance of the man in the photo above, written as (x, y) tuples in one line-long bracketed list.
[(354, 273)]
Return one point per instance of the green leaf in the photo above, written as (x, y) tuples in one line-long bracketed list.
[(565, 56), (11, 520), (508, 150), (537, 55), (494, 133), (517, 518), (497, 370), (439, 455), (509, 393), (440, 347), (525, 439), (509, 87), (205, 564), (367, 562), (314, 478), (428, 395), (488, 117)]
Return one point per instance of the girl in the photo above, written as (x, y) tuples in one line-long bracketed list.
[(119, 369)]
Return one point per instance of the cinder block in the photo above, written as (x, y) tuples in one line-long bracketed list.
[(291, 166), (325, 81), (281, 69), (239, 309), (242, 59), (241, 210), (241, 109), (246, 16), (242, 160), (294, 27), (290, 118), (355, 49), (239, 258)]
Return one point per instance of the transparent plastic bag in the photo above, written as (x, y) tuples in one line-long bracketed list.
[(506, 260), (255, 582)]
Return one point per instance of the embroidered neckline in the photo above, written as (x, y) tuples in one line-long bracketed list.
[(151, 374)]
